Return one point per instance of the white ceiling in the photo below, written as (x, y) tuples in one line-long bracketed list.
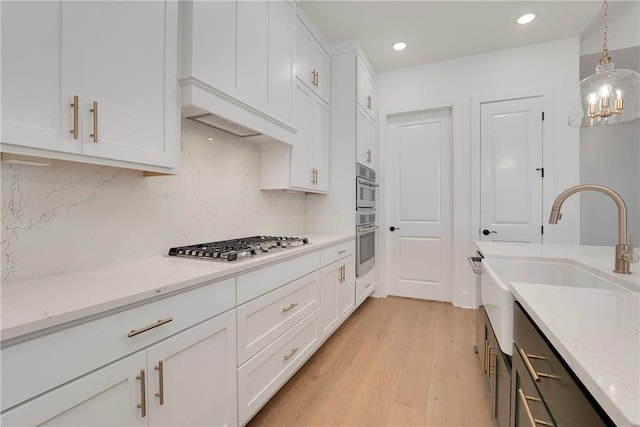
[(440, 30)]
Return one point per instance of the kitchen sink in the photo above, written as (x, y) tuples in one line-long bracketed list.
[(495, 292), (548, 273)]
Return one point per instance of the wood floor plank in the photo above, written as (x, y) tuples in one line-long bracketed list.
[(394, 362)]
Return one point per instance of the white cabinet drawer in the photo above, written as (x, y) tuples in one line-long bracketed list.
[(264, 319), (339, 251), (365, 286), (55, 358), (260, 377), (259, 282)]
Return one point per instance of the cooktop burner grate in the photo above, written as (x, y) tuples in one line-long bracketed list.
[(235, 249)]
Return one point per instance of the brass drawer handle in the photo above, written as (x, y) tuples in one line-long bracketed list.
[(529, 366), (532, 421), (143, 393), (75, 106), (284, 310), (290, 355), (160, 322), (534, 374), (94, 110), (160, 369), (342, 251)]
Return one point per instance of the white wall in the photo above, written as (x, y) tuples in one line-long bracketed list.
[(623, 29), (610, 156), (73, 216), (550, 69)]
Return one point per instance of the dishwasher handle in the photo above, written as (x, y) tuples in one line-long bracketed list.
[(476, 264)]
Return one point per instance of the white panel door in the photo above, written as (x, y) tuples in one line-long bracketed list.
[(419, 205), (199, 376), (41, 73), (511, 174), (106, 397), (131, 73)]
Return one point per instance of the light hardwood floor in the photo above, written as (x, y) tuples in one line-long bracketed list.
[(394, 362)]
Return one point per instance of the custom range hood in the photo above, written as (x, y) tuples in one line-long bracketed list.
[(212, 107), (229, 126)]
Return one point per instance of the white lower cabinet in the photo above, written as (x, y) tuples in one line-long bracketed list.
[(337, 295), (264, 319), (188, 379), (191, 376), (365, 285), (107, 396), (263, 375)]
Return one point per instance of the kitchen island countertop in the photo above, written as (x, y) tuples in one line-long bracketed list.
[(31, 305), (596, 331)]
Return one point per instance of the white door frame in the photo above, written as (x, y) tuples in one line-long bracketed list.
[(548, 154), (463, 291)]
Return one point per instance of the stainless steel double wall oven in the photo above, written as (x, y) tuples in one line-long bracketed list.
[(365, 219)]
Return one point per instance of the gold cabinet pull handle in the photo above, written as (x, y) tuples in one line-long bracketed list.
[(160, 322), (529, 366), (94, 110), (75, 106), (342, 251), (290, 355), (143, 393), (284, 310), (160, 369), (534, 374), (532, 421), (486, 356), (317, 78)]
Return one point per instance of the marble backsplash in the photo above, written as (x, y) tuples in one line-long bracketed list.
[(72, 216)]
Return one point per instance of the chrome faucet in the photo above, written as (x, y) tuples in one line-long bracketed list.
[(624, 252)]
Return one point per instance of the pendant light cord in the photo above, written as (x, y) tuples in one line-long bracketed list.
[(605, 50)]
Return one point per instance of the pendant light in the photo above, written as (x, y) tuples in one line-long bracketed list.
[(608, 97)]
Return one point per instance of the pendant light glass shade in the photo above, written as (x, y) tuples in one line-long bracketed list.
[(608, 97)]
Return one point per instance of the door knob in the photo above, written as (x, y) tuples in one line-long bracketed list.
[(392, 228), (487, 232)]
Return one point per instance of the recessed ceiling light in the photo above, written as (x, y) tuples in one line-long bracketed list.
[(525, 19), (399, 46)]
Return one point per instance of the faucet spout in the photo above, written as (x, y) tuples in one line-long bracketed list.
[(624, 253)]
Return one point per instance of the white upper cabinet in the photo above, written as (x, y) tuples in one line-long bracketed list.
[(252, 52), (91, 81), (366, 151), (206, 55), (237, 63), (304, 166), (366, 89), (282, 21), (312, 62)]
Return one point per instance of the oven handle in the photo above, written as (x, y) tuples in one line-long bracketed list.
[(365, 229), (363, 181), (476, 264)]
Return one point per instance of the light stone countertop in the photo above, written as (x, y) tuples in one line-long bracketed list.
[(31, 305), (596, 331)]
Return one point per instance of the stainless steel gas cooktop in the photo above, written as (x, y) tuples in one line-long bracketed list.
[(237, 249)]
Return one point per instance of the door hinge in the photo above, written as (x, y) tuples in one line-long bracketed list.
[(542, 229), (541, 172), (543, 115)]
